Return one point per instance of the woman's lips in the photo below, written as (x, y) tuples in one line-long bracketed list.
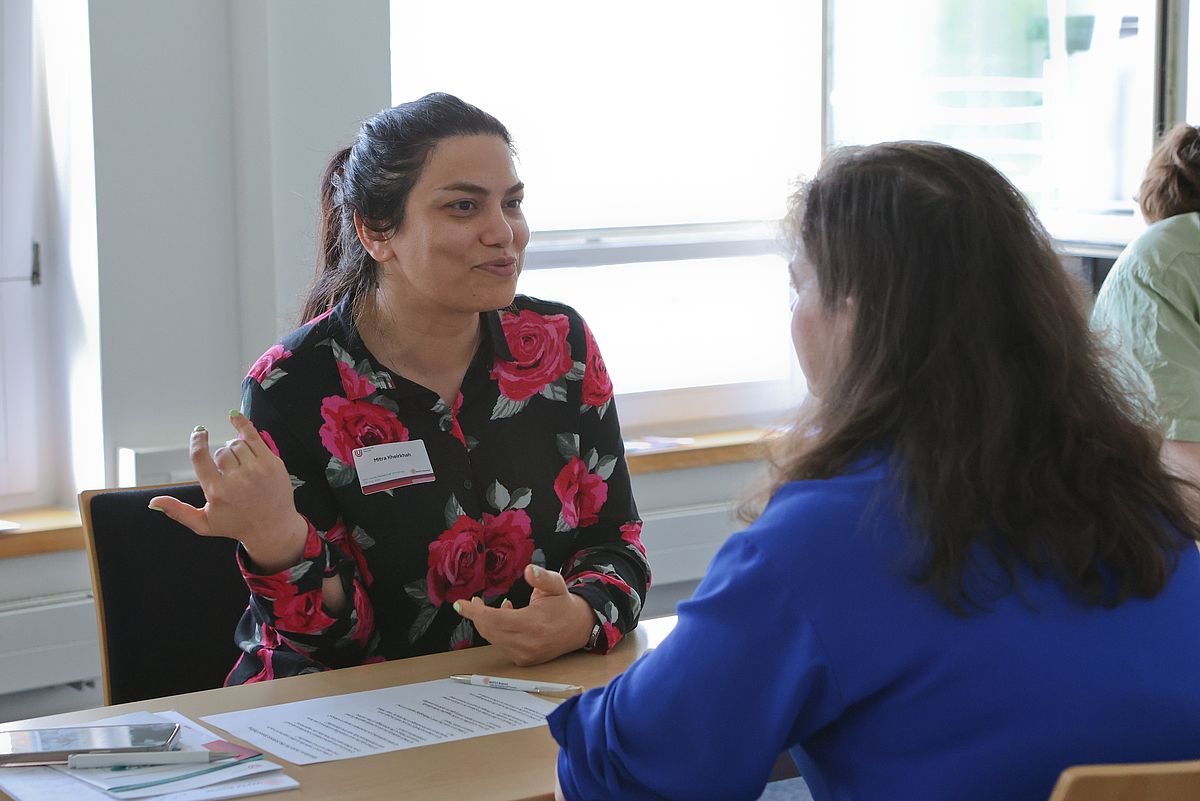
[(503, 268)]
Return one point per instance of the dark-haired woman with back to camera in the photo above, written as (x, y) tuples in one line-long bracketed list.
[(1150, 301), (430, 462), (972, 571)]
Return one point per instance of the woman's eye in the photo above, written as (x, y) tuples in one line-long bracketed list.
[(463, 205), (515, 202)]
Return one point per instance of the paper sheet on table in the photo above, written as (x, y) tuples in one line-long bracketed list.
[(378, 721), (234, 781)]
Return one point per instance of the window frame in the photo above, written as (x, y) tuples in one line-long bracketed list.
[(1067, 226), (699, 407)]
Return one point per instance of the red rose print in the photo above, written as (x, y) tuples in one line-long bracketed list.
[(314, 546), (344, 540), (302, 612), (269, 440), (457, 565), (320, 316), (270, 641), (509, 548), (355, 385), (276, 585), (261, 368), (595, 577), (268, 670), (540, 353), (455, 429), (597, 388), (270, 637), (632, 533), (582, 494), (351, 424), (366, 618), (269, 587), (613, 634)]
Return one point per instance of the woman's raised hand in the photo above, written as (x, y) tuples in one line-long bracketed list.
[(249, 498)]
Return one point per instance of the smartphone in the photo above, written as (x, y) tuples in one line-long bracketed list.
[(53, 746)]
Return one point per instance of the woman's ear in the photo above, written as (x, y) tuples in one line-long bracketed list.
[(378, 246)]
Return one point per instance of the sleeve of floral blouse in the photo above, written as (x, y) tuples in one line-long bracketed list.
[(287, 607), (609, 568)]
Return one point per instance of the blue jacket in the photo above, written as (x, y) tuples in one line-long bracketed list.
[(807, 634)]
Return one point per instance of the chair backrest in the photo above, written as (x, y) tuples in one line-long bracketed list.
[(1148, 781), (167, 600)]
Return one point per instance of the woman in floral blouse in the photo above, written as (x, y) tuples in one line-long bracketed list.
[(429, 463)]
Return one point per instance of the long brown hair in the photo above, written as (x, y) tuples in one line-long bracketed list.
[(1172, 182), (971, 365), (374, 177)]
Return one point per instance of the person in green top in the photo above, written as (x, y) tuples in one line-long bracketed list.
[(1149, 305)]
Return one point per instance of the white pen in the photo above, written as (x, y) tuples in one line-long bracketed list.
[(132, 759), (541, 687)]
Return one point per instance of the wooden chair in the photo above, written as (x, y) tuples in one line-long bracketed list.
[(1148, 781), (167, 600)]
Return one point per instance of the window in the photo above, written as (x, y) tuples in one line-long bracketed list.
[(658, 151), (18, 455), (1058, 94), (658, 141)]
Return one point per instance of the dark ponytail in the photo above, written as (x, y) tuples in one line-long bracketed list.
[(342, 266), (374, 177)]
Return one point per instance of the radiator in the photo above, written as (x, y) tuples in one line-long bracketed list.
[(48, 640), (48, 632)]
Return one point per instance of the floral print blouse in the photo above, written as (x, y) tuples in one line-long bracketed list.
[(528, 467)]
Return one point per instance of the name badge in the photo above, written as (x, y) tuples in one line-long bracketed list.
[(391, 465)]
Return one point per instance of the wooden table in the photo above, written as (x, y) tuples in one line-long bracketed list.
[(515, 765)]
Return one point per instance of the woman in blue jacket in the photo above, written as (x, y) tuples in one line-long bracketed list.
[(972, 571)]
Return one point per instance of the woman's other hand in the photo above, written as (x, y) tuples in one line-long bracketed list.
[(555, 622), (249, 498)]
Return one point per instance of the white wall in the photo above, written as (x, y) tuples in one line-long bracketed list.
[(212, 121), (306, 73), (184, 142)]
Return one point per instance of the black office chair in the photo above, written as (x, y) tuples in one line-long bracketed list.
[(167, 600)]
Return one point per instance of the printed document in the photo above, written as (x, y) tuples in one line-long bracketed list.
[(378, 721)]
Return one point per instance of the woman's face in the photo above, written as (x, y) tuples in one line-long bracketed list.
[(462, 243), (820, 335)]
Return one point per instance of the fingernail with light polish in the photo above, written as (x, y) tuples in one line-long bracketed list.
[(198, 429), (458, 607)]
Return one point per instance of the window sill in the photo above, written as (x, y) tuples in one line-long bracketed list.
[(53, 528), (42, 530), (701, 450)]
